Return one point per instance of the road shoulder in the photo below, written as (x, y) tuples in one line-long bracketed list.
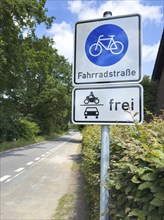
[(72, 206)]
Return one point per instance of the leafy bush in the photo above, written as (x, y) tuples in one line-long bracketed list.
[(28, 130), (9, 123), (136, 170), (137, 178), (91, 167), (9, 129)]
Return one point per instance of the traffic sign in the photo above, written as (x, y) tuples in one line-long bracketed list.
[(108, 105), (108, 50)]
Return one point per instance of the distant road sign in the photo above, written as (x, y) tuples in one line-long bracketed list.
[(108, 50), (108, 105)]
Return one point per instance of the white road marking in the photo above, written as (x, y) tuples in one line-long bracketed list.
[(29, 163), (37, 158), (8, 180), (32, 163), (12, 178), (17, 174), (4, 178), (19, 170)]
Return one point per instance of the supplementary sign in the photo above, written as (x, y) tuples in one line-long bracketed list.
[(108, 105), (107, 50)]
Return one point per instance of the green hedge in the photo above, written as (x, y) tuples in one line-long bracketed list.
[(14, 128), (28, 130), (91, 167), (136, 181)]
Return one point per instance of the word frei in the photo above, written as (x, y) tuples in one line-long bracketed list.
[(107, 74), (113, 106)]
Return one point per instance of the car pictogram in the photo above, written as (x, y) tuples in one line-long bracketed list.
[(91, 111)]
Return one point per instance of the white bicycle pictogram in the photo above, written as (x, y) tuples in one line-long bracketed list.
[(115, 47)]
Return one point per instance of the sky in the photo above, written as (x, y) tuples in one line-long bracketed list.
[(67, 13)]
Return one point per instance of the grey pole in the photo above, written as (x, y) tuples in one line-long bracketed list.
[(104, 166), (104, 172)]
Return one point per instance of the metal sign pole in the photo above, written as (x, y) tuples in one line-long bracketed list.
[(104, 172), (104, 167)]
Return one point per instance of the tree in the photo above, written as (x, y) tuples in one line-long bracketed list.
[(150, 89), (46, 87), (16, 16), (35, 81)]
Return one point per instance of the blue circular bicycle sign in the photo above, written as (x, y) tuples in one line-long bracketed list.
[(106, 45)]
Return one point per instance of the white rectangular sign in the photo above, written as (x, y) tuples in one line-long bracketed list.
[(108, 50), (108, 105)]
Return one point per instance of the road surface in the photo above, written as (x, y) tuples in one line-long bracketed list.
[(34, 178)]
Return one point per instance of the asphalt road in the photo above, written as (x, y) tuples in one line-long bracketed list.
[(35, 177)]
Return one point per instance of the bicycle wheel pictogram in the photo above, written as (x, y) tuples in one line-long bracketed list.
[(95, 50), (116, 47)]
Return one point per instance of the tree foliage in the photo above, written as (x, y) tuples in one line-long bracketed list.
[(16, 17), (35, 82), (150, 89)]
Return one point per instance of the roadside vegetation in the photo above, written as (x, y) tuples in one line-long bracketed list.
[(24, 142), (35, 81), (136, 179)]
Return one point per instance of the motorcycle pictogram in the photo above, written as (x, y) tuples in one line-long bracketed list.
[(91, 98)]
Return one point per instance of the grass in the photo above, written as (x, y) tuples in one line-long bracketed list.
[(22, 142), (65, 207), (75, 166)]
